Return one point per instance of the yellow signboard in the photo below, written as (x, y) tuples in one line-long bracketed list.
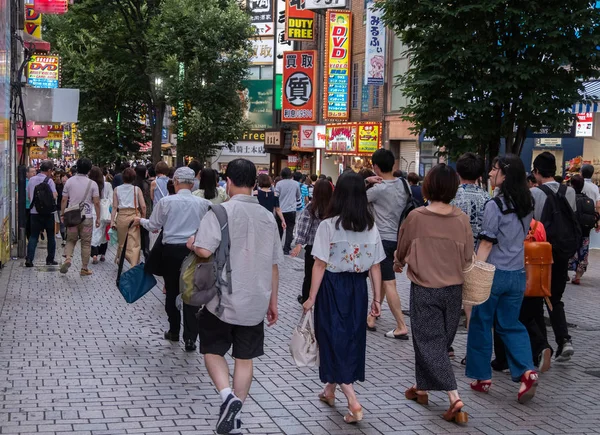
[(337, 65), (38, 153), (33, 22), (369, 138)]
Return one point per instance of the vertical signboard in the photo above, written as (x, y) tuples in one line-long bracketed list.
[(258, 95), (263, 52), (262, 16), (307, 137), (584, 126), (299, 87), (375, 47), (369, 137), (337, 65), (299, 22), (43, 71), (33, 21), (281, 46)]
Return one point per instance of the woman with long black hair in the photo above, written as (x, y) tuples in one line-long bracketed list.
[(347, 246), (506, 223), (306, 229), (209, 188)]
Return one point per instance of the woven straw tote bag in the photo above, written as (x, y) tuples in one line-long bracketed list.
[(477, 287)]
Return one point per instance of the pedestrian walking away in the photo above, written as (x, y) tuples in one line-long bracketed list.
[(80, 191), (506, 223), (236, 318), (288, 191), (128, 203), (179, 216), (268, 198), (388, 198), (564, 233), (436, 242), (347, 247), (99, 240), (307, 226), (42, 195)]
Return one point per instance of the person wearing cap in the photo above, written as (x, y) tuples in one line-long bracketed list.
[(179, 217)]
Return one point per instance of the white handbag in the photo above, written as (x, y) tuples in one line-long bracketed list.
[(105, 217), (303, 346)]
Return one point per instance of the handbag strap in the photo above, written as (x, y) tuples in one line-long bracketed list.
[(123, 252), (87, 190)]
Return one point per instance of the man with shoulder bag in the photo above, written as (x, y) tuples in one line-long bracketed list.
[(80, 194), (42, 194), (235, 316)]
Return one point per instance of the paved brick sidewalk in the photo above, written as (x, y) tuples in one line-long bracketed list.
[(76, 359)]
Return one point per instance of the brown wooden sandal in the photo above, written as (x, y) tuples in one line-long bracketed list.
[(455, 413), (418, 396), (353, 417), (330, 400)]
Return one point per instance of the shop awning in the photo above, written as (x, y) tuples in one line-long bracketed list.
[(36, 43), (591, 93)]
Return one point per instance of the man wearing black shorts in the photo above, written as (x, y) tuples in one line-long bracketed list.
[(388, 197), (255, 252)]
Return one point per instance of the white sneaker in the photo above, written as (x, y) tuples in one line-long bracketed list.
[(545, 360)]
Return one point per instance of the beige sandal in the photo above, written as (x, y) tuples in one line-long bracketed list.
[(330, 400), (353, 416)]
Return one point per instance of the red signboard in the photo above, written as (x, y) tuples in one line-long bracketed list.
[(299, 22), (58, 7), (299, 86)]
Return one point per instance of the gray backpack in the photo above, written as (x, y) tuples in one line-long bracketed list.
[(201, 280)]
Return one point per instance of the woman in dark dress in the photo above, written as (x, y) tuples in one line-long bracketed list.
[(346, 247), (268, 199)]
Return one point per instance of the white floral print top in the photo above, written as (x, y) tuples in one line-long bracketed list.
[(347, 251)]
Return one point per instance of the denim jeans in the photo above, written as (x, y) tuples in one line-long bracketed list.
[(39, 223), (504, 305)]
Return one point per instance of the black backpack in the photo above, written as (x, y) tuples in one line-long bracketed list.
[(411, 203), (562, 227), (586, 212), (43, 198)]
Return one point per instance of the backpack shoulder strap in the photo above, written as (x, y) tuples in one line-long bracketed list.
[(222, 258), (546, 190), (406, 187), (562, 191), (46, 180)]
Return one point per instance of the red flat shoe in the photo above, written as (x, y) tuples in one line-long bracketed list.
[(575, 281), (455, 413), (530, 382), (481, 386), (422, 398)]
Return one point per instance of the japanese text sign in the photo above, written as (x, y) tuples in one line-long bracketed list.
[(43, 71), (584, 126), (263, 52), (299, 93), (299, 22), (375, 48), (341, 138), (33, 22), (262, 16), (369, 138), (337, 65)]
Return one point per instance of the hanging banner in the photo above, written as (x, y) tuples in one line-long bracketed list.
[(281, 46), (320, 136), (337, 65), (307, 137), (369, 137), (584, 127), (43, 71), (375, 48), (33, 22), (262, 16), (299, 93), (263, 53), (299, 22), (341, 138)]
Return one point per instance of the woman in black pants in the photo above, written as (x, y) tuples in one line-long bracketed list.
[(306, 228)]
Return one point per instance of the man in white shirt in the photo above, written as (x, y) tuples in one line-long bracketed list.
[(589, 188), (255, 253)]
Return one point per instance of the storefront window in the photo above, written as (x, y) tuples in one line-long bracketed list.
[(428, 158)]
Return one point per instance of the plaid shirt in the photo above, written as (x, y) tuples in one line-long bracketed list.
[(306, 228)]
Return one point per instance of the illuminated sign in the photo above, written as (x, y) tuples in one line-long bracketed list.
[(337, 65)]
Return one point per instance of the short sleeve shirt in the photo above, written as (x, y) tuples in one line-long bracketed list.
[(507, 233), (255, 248), (471, 199), (75, 189), (33, 182), (347, 251), (389, 200)]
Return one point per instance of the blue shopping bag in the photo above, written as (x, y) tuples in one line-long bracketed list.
[(134, 283)]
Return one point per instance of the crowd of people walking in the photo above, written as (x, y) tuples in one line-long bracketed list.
[(365, 229)]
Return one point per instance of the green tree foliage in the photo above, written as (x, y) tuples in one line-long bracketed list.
[(483, 71), (124, 56)]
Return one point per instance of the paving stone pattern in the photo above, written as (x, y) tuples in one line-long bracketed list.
[(76, 359)]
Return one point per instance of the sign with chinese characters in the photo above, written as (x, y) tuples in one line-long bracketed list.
[(55, 135), (281, 46), (299, 87), (307, 137), (273, 139), (584, 126), (38, 153), (369, 137), (299, 22), (341, 138), (262, 16), (43, 71), (263, 53), (258, 96), (320, 136), (337, 65), (325, 4), (33, 22), (548, 142), (244, 149), (375, 48)]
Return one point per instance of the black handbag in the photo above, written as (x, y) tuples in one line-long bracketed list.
[(154, 262)]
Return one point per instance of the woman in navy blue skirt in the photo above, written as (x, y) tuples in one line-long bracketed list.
[(347, 246)]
